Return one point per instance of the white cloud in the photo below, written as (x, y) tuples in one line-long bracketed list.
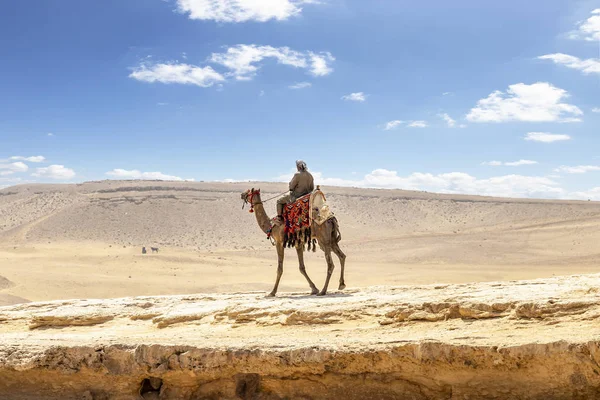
[(136, 174), (520, 162), (243, 60), (320, 63), (510, 163), (358, 96), (261, 93), (538, 102), (54, 172), (492, 163), (14, 167), (417, 124), (162, 104), (446, 93), (393, 124), (596, 110), (592, 194), (546, 137), (589, 29), (300, 85), (241, 10), (579, 169), (242, 63), (451, 123), (184, 74), (453, 182), (33, 159), (50, 134), (462, 126), (589, 66)]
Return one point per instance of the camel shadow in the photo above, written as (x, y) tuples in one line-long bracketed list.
[(302, 296)]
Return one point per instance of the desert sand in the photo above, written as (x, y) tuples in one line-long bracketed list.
[(85, 240), (448, 297)]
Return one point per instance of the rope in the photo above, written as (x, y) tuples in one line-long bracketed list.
[(274, 197)]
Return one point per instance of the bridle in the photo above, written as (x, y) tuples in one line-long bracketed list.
[(250, 199)]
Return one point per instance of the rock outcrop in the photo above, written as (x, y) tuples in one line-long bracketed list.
[(516, 340)]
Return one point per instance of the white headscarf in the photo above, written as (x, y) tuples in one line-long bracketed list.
[(301, 165)]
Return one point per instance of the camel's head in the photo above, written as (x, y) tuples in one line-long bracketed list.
[(251, 197)]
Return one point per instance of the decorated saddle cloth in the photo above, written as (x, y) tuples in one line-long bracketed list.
[(308, 209), (297, 215)]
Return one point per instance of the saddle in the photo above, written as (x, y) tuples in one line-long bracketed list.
[(299, 215)]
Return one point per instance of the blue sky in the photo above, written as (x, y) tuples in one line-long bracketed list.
[(491, 98)]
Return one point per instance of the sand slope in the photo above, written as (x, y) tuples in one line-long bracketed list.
[(79, 241)]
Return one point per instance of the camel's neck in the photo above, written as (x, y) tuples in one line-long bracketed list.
[(262, 218)]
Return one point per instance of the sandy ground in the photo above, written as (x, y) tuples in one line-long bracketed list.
[(84, 241), (532, 339)]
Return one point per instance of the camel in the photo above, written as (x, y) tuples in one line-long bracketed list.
[(327, 236)]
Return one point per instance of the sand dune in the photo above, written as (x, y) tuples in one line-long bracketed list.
[(76, 241)]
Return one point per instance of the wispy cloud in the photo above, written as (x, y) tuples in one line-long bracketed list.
[(235, 11), (136, 174), (33, 159), (452, 182), (592, 194), (449, 121), (589, 66), (509, 163), (11, 168), (579, 169), (54, 172), (393, 124), (417, 124), (596, 110), (546, 137), (51, 134), (300, 85), (243, 60), (589, 29), (358, 96), (184, 74), (539, 102)]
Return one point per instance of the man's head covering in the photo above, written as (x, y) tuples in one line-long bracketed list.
[(301, 165)]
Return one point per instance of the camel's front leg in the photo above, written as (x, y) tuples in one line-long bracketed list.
[(330, 267), (280, 252), (300, 251)]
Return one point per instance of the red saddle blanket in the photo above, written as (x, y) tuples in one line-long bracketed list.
[(296, 215)]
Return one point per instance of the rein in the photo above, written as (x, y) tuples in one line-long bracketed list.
[(250, 197)]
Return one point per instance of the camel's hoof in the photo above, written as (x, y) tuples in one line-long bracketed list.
[(314, 291), (271, 294), (342, 286), (321, 293)]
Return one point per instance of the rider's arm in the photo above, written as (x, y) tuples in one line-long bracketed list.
[(294, 182)]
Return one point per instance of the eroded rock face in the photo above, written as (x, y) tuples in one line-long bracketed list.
[(516, 340)]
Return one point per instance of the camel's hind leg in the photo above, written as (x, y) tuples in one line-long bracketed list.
[(280, 253), (300, 251), (330, 267), (336, 249)]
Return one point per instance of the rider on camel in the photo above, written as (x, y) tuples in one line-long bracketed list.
[(301, 184)]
